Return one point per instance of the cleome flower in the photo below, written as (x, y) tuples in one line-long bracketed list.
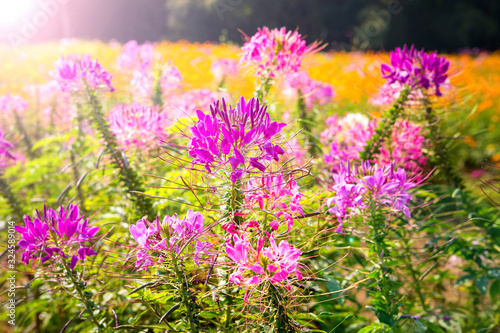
[(364, 186), (222, 68), (418, 69), (137, 125), (277, 194), (348, 135), (276, 51), (154, 242), (5, 147), (230, 135), (313, 92), (75, 72), (10, 104), (56, 236), (277, 264)]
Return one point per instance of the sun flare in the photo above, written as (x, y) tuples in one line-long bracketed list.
[(13, 11)]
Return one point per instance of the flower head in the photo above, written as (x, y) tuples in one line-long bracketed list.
[(75, 72), (224, 67), (56, 235), (277, 194), (277, 264), (137, 125), (418, 69), (276, 51), (228, 135), (5, 147), (134, 56), (313, 92), (348, 135), (363, 186), (153, 244)]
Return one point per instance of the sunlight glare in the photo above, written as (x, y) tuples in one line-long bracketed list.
[(12, 11)]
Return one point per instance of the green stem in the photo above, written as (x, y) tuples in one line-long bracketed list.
[(263, 89), (281, 319), (184, 291), (386, 124), (83, 298), (26, 137), (17, 210), (127, 174), (228, 309), (442, 156)]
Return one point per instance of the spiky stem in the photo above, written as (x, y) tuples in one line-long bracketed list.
[(5, 189), (384, 130), (127, 174)]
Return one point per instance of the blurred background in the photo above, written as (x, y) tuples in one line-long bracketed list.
[(444, 25)]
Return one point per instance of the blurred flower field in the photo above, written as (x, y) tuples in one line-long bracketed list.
[(274, 187)]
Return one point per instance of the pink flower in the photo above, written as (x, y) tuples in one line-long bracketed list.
[(134, 56), (138, 125), (5, 154), (10, 105), (228, 134), (364, 186), (313, 92), (417, 69), (153, 244), (276, 51), (276, 194), (74, 73), (170, 80), (277, 264), (222, 68), (57, 109), (185, 104), (348, 135), (53, 235)]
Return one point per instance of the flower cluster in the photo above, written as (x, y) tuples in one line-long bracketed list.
[(417, 69), (5, 147), (348, 135), (170, 80), (313, 92), (360, 187), (152, 238), (137, 125), (228, 134), (276, 51), (56, 235), (76, 72), (277, 264), (136, 57), (185, 104), (222, 68), (55, 105), (274, 194), (11, 105)]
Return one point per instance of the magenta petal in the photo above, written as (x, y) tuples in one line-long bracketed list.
[(74, 260)]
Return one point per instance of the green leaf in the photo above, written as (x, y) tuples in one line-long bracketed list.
[(336, 290), (431, 327), (141, 287), (494, 273), (464, 279), (495, 290), (172, 309), (482, 284)]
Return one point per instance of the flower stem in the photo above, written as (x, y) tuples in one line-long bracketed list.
[(83, 298), (5, 189), (384, 130), (184, 291), (127, 174), (442, 156)]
